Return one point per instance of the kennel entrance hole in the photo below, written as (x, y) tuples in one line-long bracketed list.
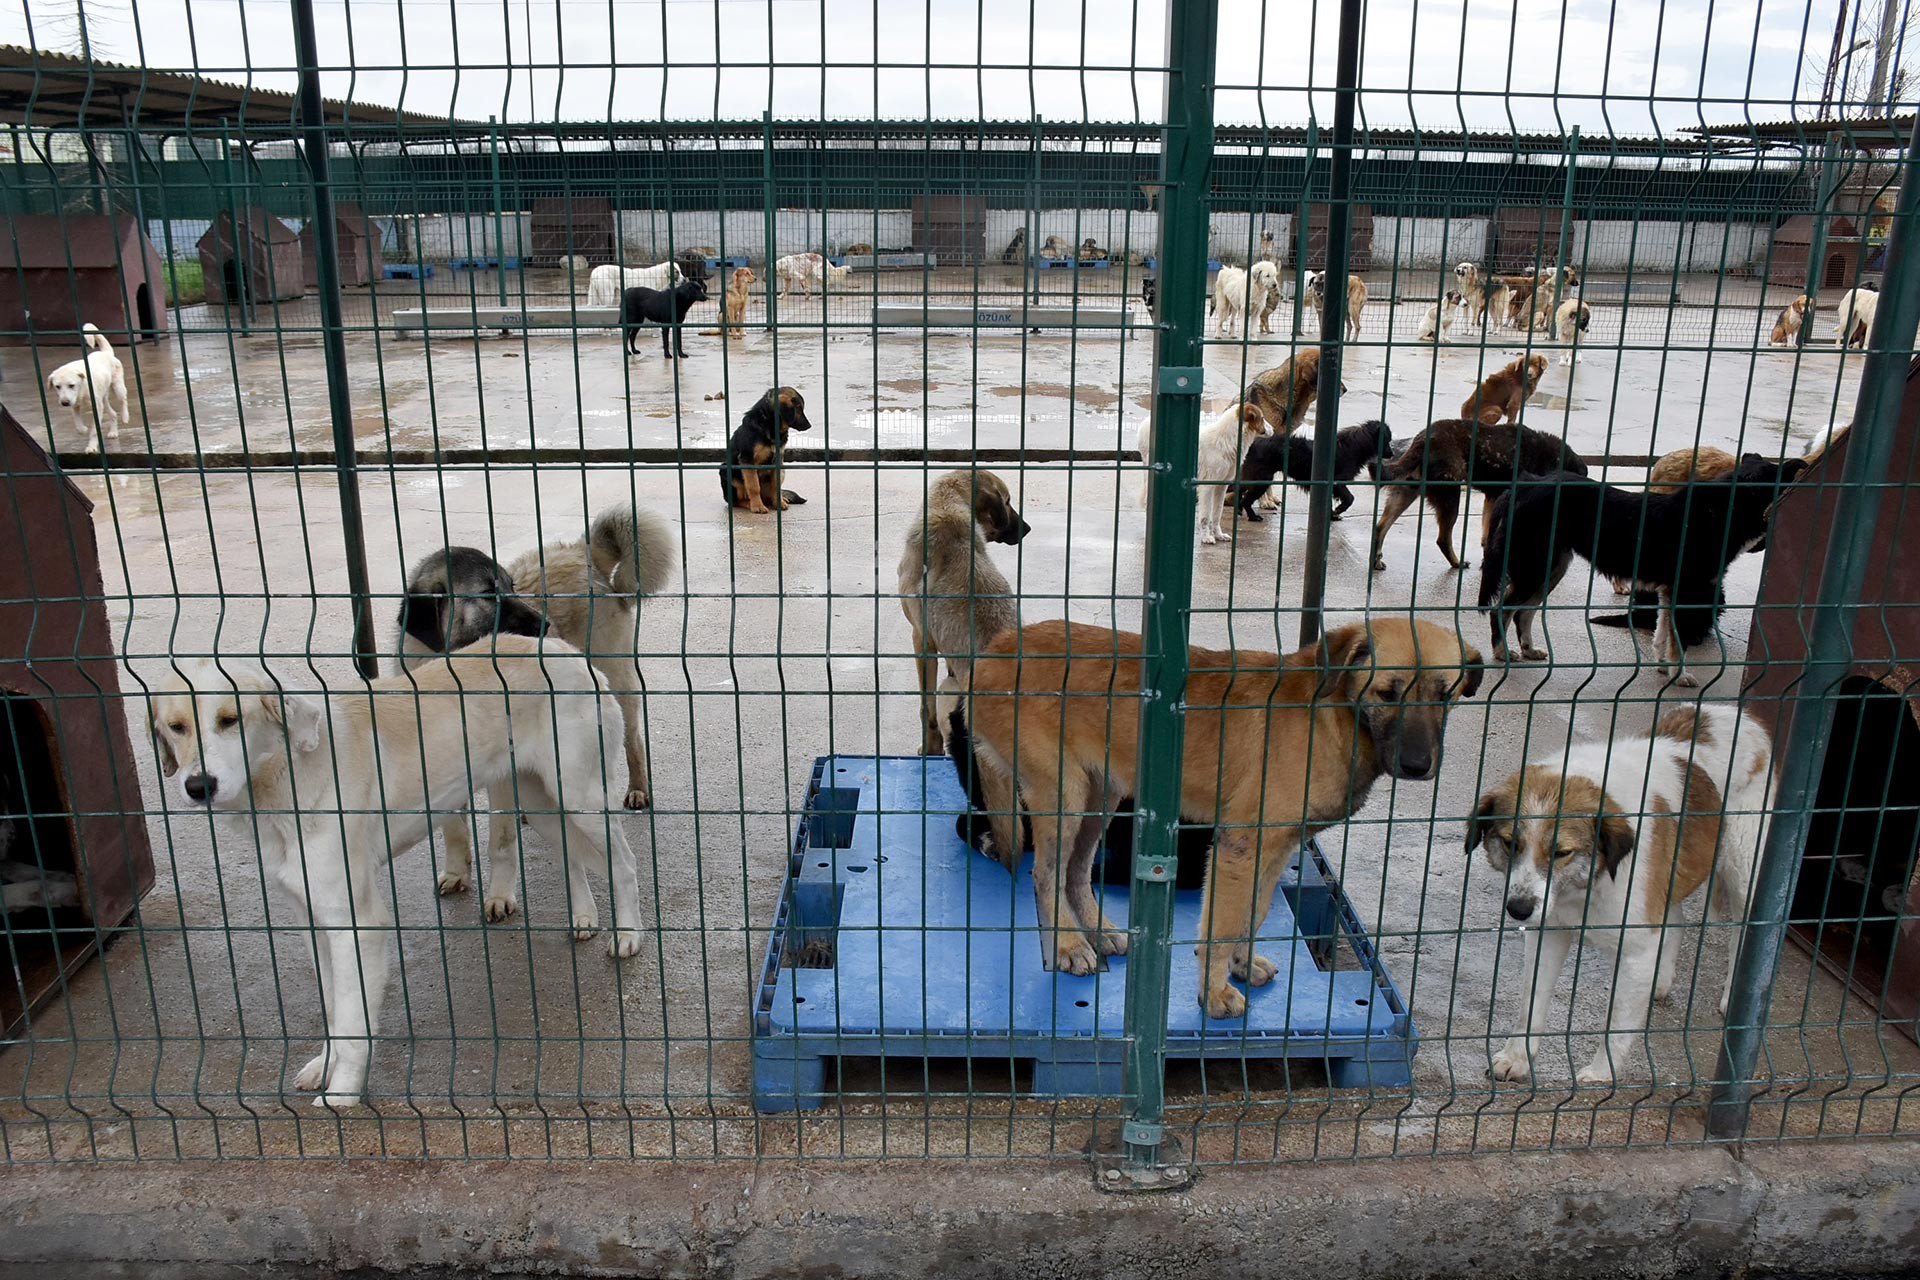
[(1856, 878), (36, 832)]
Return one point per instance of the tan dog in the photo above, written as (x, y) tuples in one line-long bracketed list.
[(1500, 397), (955, 598), (1356, 300), (733, 312), (1283, 394), (1277, 749), (1792, 316)]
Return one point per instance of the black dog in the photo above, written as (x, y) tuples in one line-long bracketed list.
[(750, 477), (693, 266), (1150, 294), (665, 307), (1192, 843), (1678, 544), (1355, 449), (459, 595)]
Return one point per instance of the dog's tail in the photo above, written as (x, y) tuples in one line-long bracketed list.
[(635, 549), (94, 339), (984, 830)]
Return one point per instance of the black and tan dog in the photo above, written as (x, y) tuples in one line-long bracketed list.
[(750, 477), (1455, 454), (1276, 750)]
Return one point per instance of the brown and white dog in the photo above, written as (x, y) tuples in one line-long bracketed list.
[(1604, 841), (1283, 394), (1276, 750), (1500, 397), (808, 272), (1474, 286), (1356, 301), (1791, 318)]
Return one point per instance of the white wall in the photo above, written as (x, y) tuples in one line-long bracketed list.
[(1659, 246), (1423, 244)]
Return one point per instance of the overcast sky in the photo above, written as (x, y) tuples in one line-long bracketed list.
[(1637, 66)]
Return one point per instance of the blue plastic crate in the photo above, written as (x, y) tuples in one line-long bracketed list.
[(480, 264), (409, 271), (725, 264), (1085, 264), (893, 938)]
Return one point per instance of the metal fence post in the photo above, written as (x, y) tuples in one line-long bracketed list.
[(1566, 216), (1300, 224), (1185, 169), (1817, 247), (326, 245), (1333, 321), (1843, 573), (499, 210)]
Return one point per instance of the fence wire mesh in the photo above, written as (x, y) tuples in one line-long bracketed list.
[(1037, 290)]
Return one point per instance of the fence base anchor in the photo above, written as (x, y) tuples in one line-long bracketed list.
[(1114, 1173)]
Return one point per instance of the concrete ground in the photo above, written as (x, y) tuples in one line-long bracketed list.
[(782, 640)]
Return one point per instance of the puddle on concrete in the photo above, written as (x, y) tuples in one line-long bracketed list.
[(1092, 397), (1546, 401), (913, 386)]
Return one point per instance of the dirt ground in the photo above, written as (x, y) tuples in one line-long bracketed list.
[(782, 640)]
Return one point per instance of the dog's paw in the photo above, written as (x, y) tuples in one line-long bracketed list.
[(638, 798), (500, 905), (1073, 953), (1207, 538), (313, 1075), (1111, 941), (336, 1101), (1687, 680), (1598, 1073), (624, 944), (1224, 1002), (455, 882), (1513, 1063), (1533, 653), (585, 925), (1257, 974), (1379, 564)]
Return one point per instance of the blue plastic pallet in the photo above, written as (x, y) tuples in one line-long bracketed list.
[(480, 264), (1088, 264), (409, 271), (727, 264), (893, 938)]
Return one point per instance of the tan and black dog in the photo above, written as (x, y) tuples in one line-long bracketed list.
[(1276, 750), (750, 477)]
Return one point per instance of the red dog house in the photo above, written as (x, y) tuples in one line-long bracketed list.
[(1857, 906), (1793, 242), (358, 236), (1359, 238), (269, 262), (73, 833), (80, 269)]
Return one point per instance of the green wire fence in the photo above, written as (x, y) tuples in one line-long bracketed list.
[(363, 265)]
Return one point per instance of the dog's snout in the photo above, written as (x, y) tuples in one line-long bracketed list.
[(200, 787), (1415, 762), (1521, 906)]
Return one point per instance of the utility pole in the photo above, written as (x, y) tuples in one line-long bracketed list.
[(1833, 61), (1883, 56)]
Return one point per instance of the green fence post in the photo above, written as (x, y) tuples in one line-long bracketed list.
[(1300, 225), (1185, 164), (499, 207), (1333, 322), (1566, 217), (237, 243), (326, 254), (1876, 419), (1822, 213)]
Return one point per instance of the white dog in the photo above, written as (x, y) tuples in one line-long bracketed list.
[(1222, 444), (1853, 321), (336, 787), (808, 272), (608, 285), (1604, 841), (1230, 288), (1570, 321), (1263, 293), (94, 386)]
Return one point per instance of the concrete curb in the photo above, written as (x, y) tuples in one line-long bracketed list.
[(1822, 1209)]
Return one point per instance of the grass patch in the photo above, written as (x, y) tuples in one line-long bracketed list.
[(185, 284)]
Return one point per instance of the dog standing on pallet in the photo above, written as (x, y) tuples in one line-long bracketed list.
[(1605, 842), (1277, 749), (334, 788)]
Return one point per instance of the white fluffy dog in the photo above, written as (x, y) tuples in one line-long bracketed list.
[(1230, 285), (334, 788), (607, 285), (1222, 445), (1853, 321), (95, 385)]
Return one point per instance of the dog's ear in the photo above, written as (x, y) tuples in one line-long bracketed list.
[(516, 618), (1341, 649), (1793, 468), (1613, 838), (1491, 805), (423, 616), (301, 715), (168, 764), (1251, 419), (1472, 667), (761, 416)]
